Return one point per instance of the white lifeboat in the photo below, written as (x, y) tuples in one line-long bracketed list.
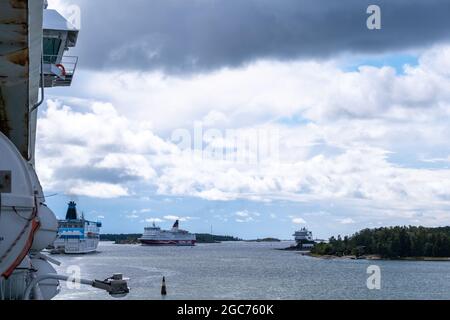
[(25, 222)]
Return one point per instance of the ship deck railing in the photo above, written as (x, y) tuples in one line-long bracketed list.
[(53, 74)]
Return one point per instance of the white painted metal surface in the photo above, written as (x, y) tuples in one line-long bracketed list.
[(16, 209), (26, 224), (53, 20)]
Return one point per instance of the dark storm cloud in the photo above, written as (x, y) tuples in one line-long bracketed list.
[(198, 35)]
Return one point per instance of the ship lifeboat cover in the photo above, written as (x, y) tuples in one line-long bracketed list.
[(16, 206)]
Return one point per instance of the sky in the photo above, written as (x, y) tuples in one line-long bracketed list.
[(254, 118)]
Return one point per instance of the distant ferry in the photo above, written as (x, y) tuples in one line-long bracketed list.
[(154, 236), (304, 239), (76, 235)]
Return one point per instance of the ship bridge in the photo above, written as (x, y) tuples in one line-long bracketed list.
[(33, 40)]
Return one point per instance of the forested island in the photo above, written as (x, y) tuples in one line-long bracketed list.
[(133, 238), (211, 238), (390, 243), (264, 240)]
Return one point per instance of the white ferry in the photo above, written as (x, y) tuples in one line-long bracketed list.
[(154, 236), (304, 239), (76, 235)]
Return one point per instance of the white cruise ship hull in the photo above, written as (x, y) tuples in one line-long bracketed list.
[(154, 236), (76, 235), (75, 246), (150, 242)]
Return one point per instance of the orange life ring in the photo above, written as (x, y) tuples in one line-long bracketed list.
[(62, 68)]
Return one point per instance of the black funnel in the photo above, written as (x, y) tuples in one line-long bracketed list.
[(72, 211)]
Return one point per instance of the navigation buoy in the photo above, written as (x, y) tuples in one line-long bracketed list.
[(163, 287)]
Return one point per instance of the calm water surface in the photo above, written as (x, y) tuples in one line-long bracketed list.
[(239, 270)]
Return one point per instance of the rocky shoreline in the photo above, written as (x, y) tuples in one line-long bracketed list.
[(294, 248), (362, 257), (377, 257)]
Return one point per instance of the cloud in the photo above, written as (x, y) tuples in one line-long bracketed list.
[(94, 153), (209, 194), (310, 92), (215, 118), (192, 36), (223, 218), (298, 220), (98, 190), (246, 216), (155, 220), (173, 217), (346, 221), (132, 216), (356, 137), (437, 160), (242, 213), (316, 214)]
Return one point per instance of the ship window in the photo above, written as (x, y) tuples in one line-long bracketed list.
[(51, 49)]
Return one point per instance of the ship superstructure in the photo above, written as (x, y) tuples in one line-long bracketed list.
[(155, 236), (33, 42), (304, 238), (76, 234), (27, 225)]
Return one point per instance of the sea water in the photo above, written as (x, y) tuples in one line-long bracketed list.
[(247, 270)]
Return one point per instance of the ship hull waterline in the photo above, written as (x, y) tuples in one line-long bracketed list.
[(186, 243)]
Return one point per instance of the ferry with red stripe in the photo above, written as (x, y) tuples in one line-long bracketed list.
[(154, 236)]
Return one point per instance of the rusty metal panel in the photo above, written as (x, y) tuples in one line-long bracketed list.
[(20, 55), (13, 41), (14, 71)]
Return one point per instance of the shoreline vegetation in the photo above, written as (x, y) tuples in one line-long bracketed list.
[(387, 243), (131, 238), (264, 240), (376, 257), (393, 243)]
